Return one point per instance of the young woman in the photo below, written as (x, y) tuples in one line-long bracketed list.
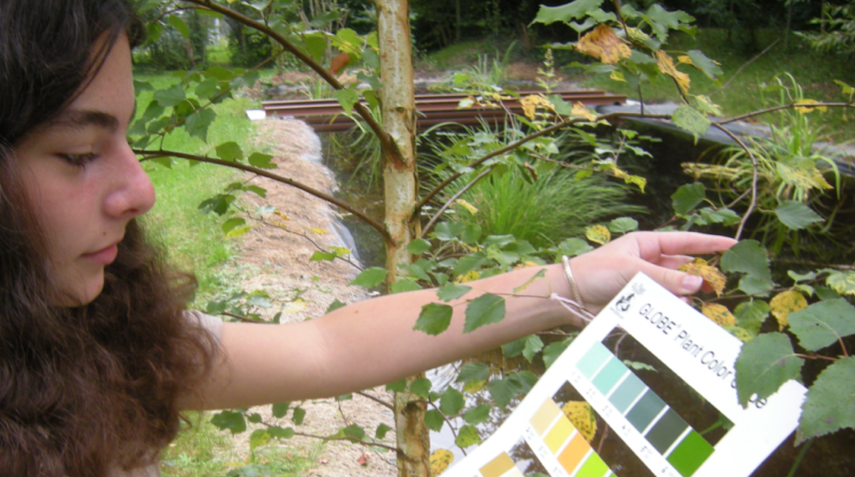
[(98, 355)]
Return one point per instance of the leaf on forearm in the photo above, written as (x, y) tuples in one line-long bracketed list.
[(785, 303), (434, 318), (484, 310), (764, 364), (828, 406), (823, 323)]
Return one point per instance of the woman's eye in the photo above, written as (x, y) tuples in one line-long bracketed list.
[(79, 160)]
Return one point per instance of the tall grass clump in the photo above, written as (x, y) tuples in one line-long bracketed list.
[(544, 211)]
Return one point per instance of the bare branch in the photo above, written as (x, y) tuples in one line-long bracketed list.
[(787, 106), (752, 60), (453, 198), (262, 172), (753, 203)]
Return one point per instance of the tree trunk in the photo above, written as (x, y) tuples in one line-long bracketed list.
[(397, 99)]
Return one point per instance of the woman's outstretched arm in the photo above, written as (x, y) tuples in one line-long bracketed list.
[(372, 342)]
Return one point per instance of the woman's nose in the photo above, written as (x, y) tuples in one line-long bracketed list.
[(133, 192)]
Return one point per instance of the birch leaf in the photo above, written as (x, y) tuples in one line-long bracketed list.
[(582, 416), (603, 44), (712, 275), (718, 313), (785, 303), (440, 460), (666, 65), (598, 234)]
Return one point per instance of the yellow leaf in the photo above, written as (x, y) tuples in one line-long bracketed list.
[(603, 44), (744, 335), (685, 59), (530, 104), (802, 174), (439, 461), (319, 231), (526, 264), (295, 306), (627, 178), (617, 76), (718, 313), (785, 303), (281, 215), (468, 277), (807, 108), (842, 282), (466, 205), (599, 234), (712, 275), (580, 109), (582, 417), (666, 65), (473, 387), (638, 35)]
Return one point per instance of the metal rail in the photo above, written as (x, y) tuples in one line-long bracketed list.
[(327, 115)]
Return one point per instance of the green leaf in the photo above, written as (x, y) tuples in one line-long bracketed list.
[(197, 123), (450, 291), (687, 197), (421, 387), (469, 262), (280, 409), (370, 277), (533, 345), (434, 420), (170, 97), (842, 282), (418, 246), (473, 372), (402, 286), (690, 119), (514, 348), (623, 225), (764, 364), (755, 286), (706, 65), (477, 414), (179, 25), (823, 323), (233, 421), (452, 402), (661, 20), (828, 406), (750, 315), (354, 431), (397, 386), (281, 433), (467, 436), (748, 256), (553, 350), (572, 11), (232, 223), (229, 151), (258, 438), (471, 234), (346, 98), (316, 44), (501, 392), (298, 415), (319, 256), (381, 431), (522, 381), (446, 231), (434, 318), (261, 161), (484, 310), (573, 247), (796, 215)]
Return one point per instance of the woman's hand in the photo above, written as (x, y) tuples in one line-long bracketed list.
[(602, 273)]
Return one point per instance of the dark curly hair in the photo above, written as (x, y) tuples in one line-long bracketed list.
[(85, 390)]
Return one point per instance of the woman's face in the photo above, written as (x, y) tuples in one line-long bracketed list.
[(84, 182)]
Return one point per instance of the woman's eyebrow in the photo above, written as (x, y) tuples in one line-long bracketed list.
[(75, 119)]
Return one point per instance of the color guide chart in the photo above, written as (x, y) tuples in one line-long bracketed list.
[(649, 384), (647, 413), (565, 443)]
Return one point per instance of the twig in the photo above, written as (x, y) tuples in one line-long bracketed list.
[(262, 172), (320, 249), (843, 346), (753, 203), (334, 438), (801, 456), (450, 426), (752, 60), (376, 399), (815, 356), (453, 198), (238, 317)]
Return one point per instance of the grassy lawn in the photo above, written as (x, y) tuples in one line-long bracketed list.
[(815, 72)]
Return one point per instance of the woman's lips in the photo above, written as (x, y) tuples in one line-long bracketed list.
[(104, 256)]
